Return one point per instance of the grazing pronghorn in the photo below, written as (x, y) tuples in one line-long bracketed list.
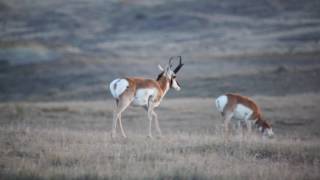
[(242, 109), (147, 93)]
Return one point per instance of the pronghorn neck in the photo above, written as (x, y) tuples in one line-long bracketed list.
[(164, 83), (263, 124)]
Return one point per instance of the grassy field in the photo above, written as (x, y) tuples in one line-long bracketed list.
[(71, 140)]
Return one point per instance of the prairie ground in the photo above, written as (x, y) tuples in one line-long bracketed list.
[(71, 140)]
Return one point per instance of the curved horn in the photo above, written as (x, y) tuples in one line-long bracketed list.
[(179, 66), (170, 62)]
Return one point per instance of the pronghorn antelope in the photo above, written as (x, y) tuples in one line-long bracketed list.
[(242, 109), (147, 93)]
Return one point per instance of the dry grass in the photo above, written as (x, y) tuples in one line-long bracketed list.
[(65, 154), (70, 140)]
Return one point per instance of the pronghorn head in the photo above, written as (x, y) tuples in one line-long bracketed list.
[(265, 128), (170, 74)]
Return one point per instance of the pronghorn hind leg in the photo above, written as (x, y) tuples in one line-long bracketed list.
[(115, 119), (249, 129), (222, 124), (121, 105), (227, 119), (239, 128), (121, 128), (227, 114)]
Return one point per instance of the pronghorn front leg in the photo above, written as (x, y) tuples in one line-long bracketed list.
[(155, 116), (150, 114)]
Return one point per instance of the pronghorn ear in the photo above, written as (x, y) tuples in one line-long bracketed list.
[(160, 67)]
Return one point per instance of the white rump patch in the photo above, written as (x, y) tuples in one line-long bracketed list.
[(118, 86), (242, 112), (221, 102), (142, 95)]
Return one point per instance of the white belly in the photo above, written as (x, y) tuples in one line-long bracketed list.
[(142, 96), (242, 112)]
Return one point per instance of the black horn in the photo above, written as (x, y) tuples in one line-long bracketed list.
[(179, 66), (170, 62)]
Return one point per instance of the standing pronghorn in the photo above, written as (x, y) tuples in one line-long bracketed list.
[(147, 93), (241, 109)]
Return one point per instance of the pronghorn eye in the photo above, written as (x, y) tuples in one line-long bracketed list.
[(174, 76)]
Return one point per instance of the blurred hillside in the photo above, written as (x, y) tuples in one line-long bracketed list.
[(59, 50)]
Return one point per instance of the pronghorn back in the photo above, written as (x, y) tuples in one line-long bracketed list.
[(247, 102), (233, 102)]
